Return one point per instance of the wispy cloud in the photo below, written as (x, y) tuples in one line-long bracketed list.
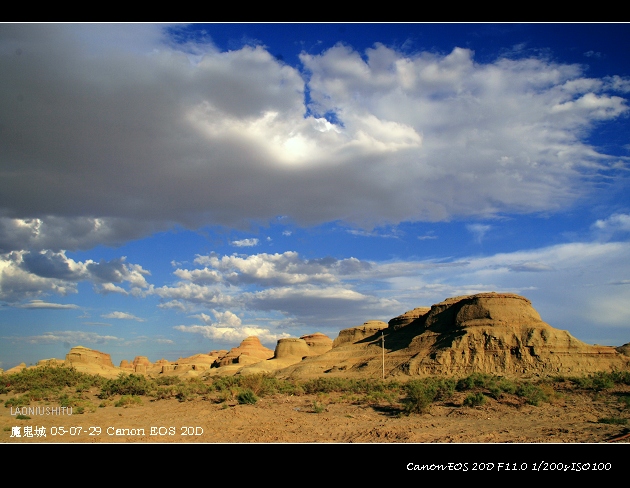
[(122, 316), (37, 304), (245, 243), (478, 231), (69, 338)]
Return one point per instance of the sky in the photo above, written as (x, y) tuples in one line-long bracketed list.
[(171, 189)]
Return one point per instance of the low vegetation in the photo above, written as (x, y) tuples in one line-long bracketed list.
[(66, 387)]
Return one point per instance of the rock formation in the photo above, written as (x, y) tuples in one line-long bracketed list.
[(317, 343), (408, 317), (625, 349), (356, 334), (291, 351), (90, 361), (249, 351), (497, 333), (16, 369)]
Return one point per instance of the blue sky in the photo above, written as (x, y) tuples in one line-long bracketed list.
[(167, 190)]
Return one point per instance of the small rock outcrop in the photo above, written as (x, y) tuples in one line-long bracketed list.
[(249, 351), (16, 369), (355, 334), (317, 343), (408, 317)]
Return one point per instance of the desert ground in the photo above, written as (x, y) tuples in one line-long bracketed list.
[(334, 418)]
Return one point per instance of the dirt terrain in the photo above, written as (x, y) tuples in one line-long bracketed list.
[(571, 418)]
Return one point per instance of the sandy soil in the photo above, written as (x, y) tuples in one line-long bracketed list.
[(292, 419)]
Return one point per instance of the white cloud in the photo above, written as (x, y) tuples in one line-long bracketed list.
[(47, 305), (221, 137), (122, 316), (245, 243), (229, 328), (478, 231), (269, 269), (69, 337), (614, 223), (25, 274), (231, 335)]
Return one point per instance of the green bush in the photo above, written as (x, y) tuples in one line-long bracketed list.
[(613, 420), (474, 399), (621, 377), (602, 381), (247, 397), (318, 407), (164, 393), (20, 401), (532, 394), (420, 394), (167, 380), (225, 383), (475, 380), (47, 378), (500, 386), (128, 400), (127, 385)]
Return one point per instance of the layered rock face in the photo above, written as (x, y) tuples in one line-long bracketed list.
[(84, 355), (91, 361), (355, 334), (407, 317), (498, 333)]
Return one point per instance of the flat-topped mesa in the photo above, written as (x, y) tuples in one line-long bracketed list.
[(355, 334), (500, 333), (90, 361), (482, 309), (85, 355)]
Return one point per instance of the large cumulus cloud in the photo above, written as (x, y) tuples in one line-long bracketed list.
[(113, 132)]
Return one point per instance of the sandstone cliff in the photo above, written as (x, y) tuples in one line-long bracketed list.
[(497, 333)]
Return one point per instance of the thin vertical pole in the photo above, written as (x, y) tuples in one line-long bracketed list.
[(383, 339)]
